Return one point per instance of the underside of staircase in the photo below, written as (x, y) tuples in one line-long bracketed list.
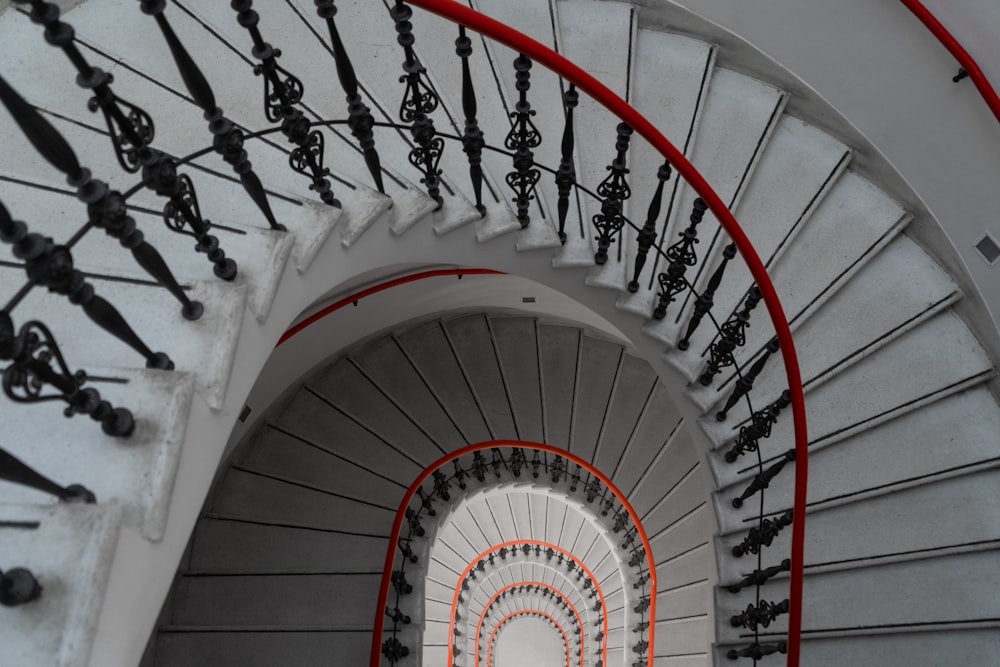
[(286, 532)]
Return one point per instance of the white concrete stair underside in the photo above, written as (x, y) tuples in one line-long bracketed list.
[(887, 361)]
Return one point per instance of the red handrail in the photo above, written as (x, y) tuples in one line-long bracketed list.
[(482, 617), (535, 612), (397, 525), (965, 60), (564, 552), (545, 56)]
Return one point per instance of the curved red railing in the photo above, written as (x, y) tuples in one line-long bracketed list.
[(381, 287), (397, 525), (535, 612), (482, 617), (564, 552), (965, 60), (586, 83)]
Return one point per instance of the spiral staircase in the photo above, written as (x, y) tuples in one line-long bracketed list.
[(284, 547)]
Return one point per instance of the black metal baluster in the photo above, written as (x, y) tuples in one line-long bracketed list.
[(760, 577), (522, 139), (614, 191), (131, 131), (732, 335), (681, 255), (18, 586), (419, 101), (31, 353), (227, 138), (647, 235), (472, 139), (360, 118), (745, 382), (105, 207), (703, 304), (12, 469), (757, 651), (763, 535), (51, 265), (566, 174), (763, 479), (760, 427), (760, 615), (282, 91)]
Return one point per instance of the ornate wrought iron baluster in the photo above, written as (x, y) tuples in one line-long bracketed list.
[(472, 139), (419, 101), (614, 191), (745, 382), (360, 118), (763, 535), (227, 138), (703, 304), (762, 615), (731, 336), (282, 91), (566, 174), (31, 353), (105, 207), (18, 586), (760, 427), (681, 255), (12, 469), (131, 130), (522, 139), (51, 265), (647, 235), (763, 479)]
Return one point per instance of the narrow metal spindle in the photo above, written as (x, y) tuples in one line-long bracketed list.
[(51, 265), (360, 119), (763, 535), (614, 190), (472, 140), (759, 428), (681, 255), (566, 174), (18, 586), (757, 651), (105, 207), (522, 139), (745, 382), (13, 469), (227, 138), (763, 479), (647, 235), (760, 577), (419, 101), (703, 304)]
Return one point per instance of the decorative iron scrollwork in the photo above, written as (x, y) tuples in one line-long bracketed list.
[(732, 334), (681, 255), (614, 191), (522, 139)]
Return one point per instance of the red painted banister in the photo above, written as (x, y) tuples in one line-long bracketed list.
[(586, 83), (965, 60), (397, 525), (482, 617), (564, 552), (522, 612)]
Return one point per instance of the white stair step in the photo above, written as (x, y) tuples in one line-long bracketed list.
[(895, 292), (136, 473), (599, 364), (856, 218), (272, 601), (951, 591), (797, 169), (516, 343), (867, 394), (672, 97), (70, 554), (682, 637), (581, 24), (871, 531), (688, 533), (931, 647), (234, 647), (740, 115), (657, 423), (633, 386)]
